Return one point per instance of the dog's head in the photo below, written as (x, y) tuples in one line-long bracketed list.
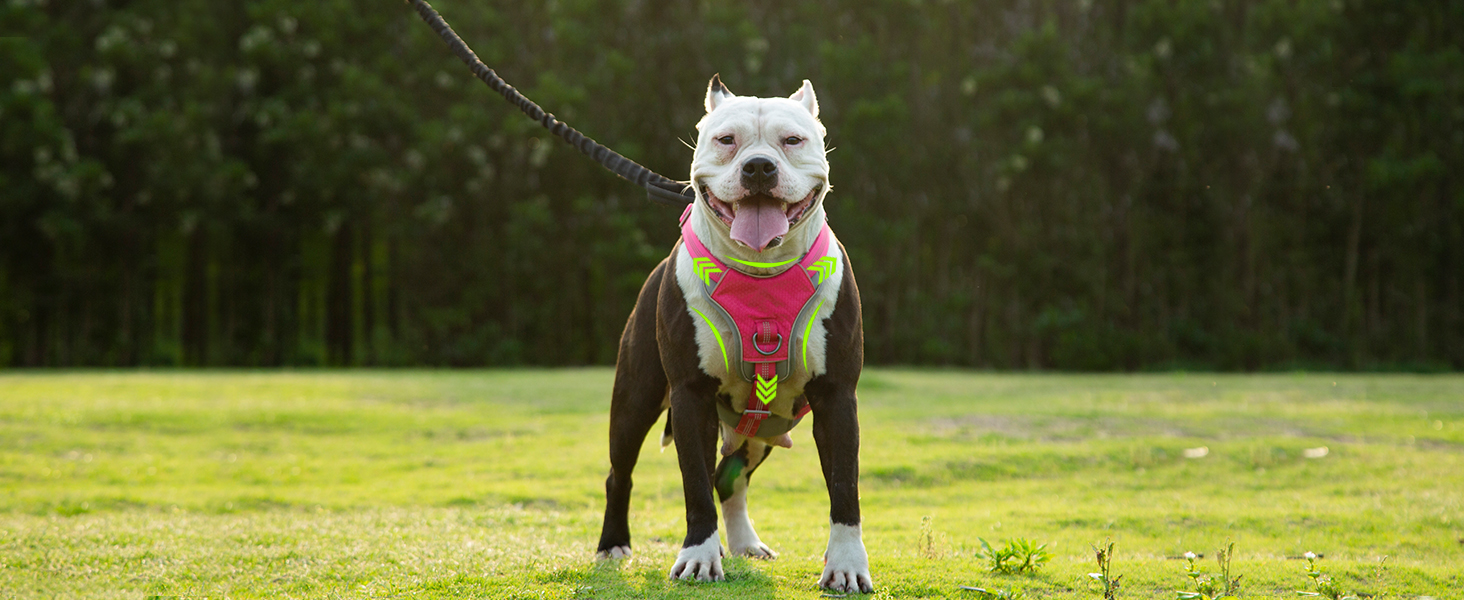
[(759, 167)]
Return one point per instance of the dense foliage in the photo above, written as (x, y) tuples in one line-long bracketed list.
[(1022, 183)]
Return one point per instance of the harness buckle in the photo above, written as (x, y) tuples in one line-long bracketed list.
[(750, 411)]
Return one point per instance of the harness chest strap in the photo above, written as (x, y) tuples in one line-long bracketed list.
[(764, 390), (769, 309)]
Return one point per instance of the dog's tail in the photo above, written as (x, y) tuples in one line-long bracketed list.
[(666, 436)]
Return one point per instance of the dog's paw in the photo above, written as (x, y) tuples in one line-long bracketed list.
[(846, 565), (702, 562), (756, 549), (741, 537), (616, 553)]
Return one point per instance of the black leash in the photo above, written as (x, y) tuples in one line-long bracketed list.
[(658, 188)]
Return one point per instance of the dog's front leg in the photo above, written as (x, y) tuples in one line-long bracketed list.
[(836, 432), (694, 427)]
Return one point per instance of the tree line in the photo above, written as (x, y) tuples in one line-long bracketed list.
[(1090, 184)]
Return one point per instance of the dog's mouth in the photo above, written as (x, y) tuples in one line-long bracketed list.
[(759, 221)]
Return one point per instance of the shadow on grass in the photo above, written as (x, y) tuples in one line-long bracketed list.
[(617, 579)]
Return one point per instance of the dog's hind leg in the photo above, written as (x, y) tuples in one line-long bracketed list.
[(637, 401), (731, 480)]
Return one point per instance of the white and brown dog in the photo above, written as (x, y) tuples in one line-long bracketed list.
[(760, 176)]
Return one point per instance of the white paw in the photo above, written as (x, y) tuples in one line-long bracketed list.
[(754, 549), (741, 537), (615, 553), (846, 565), (702, 562)]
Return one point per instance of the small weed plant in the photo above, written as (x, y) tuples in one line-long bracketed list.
[(1380, 575), (1105, 574), (1321, 583), (1019, 556), (928, 546), (1211, 586)]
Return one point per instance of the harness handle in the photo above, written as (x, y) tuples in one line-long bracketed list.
[(659, 188)]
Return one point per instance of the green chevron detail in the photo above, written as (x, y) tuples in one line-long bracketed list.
[(767, 389), (761, 265), (725, 364), (704, 267), (824, 267)]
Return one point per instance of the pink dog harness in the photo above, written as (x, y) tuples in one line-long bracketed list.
[(770, 316)]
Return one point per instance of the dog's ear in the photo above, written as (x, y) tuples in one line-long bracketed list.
[(717, 93), (805, 96)]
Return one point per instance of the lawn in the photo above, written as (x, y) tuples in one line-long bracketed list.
[(473, 484)]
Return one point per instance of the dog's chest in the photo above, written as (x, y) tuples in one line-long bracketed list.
[(722, 345)]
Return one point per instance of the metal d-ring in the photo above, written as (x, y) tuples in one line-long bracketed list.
[(769, 352)]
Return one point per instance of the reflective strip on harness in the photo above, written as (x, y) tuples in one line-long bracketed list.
[(806, 332), (725, 363)]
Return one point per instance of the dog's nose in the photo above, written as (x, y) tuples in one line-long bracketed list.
[(759, 173), (759, 166)]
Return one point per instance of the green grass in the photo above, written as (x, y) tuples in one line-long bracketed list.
[(490, 484)]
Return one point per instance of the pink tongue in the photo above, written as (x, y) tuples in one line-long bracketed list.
[(758, 221)]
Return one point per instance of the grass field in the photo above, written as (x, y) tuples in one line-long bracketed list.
[(490, 484)]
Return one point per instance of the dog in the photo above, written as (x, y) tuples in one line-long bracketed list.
[(755, 250)]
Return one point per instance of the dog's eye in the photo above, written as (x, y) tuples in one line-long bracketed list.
[(792, 140), (727, 139)]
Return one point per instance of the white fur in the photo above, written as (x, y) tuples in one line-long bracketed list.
[(741, 537), (846, 565), (616, 553), (702, 562), (805, 96), (760, 127)]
